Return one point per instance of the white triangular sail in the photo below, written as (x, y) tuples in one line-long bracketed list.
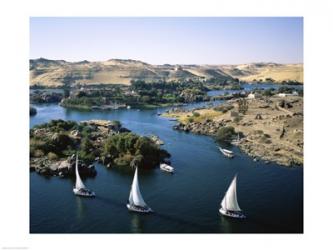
[(135, 197), (229, 201), (78, 184)]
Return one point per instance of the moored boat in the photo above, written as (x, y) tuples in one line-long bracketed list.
[(79, 188), (236, 141), (167, 168), (229, 204), (135, 201), (226, 152)]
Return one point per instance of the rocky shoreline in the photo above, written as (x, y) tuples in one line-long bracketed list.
[(62, 168), (271, 128), (53, 147)]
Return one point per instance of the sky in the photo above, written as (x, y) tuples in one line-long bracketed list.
[(173, 40)]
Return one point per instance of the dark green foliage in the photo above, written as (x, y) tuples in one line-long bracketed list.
[(128, 149), (138, 94), (33, 111), (196, 114), (269, 79), (86, 152), (225, 134), (58, 139), (268, 92), (224, 108), (285, 89)]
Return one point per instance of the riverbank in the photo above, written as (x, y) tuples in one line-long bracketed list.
[(271, 127)]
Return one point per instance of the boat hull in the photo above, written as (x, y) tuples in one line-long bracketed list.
[(232, 214), (228, 154), (86, 193), (167, 168), (144, 210)]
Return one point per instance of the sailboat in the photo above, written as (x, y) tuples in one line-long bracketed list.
[(135, 201), (79, 188), (229, 204)]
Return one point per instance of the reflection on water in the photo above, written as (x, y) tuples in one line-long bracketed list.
[(225, 224), (80, 208), (136, 223)]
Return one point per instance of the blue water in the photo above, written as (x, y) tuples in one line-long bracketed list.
[(186, 202)]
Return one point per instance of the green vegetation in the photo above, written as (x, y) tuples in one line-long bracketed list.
[(268, 92), (139, 94), (225, 134), (224, 108), (196, 114), (169, 92), (59, 139), (128, 149)]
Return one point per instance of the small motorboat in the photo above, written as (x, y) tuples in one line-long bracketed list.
[(226, 152), (79, 188), (166, 168)]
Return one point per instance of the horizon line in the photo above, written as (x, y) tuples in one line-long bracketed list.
[(138, 60)]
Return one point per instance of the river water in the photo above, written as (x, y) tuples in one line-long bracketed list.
[(271, 196)]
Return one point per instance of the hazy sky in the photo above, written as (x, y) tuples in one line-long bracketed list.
[(212, 40)]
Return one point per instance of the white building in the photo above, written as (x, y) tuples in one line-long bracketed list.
[(295, 93), (252, 96)]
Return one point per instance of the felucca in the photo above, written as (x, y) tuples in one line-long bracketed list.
[(79, 188), (135, 201), (229, 204)]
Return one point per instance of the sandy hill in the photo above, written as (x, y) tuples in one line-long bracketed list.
[(118, 71), (261, 71)]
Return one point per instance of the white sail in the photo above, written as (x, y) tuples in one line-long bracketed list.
[(229, 201), (78, 184), (135, 197)]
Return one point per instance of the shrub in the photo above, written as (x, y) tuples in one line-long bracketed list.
[(86, 150), (238, 118), (196, 114), (225, 134), (224, 108), (52, 156), (128, 149), (38, 153), (268, 92)]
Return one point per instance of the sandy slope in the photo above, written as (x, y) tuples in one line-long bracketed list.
[(117, 71)]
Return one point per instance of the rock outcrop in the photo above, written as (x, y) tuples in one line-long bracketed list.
[(62, 168)]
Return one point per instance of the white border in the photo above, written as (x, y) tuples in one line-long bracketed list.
[(14, 220)]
